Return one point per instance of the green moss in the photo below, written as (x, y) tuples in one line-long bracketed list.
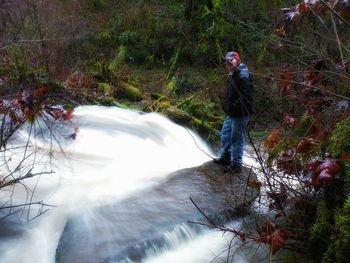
[(320, 232), (116, 63), (130, 92), (108, 101), (340, 138), (178, 115), (339, 250), (170, 88), (164, 104)]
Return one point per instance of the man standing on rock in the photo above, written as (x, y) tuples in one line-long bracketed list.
[(238, 108)]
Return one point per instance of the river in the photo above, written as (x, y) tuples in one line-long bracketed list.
[(103, 179)]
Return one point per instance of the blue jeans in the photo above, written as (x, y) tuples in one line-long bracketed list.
[(233, 138)]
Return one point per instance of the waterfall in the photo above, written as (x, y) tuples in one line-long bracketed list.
[(116, 155)]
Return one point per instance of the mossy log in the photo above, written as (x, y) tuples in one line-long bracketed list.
[(177, 115), (130, 92), (184, 118)]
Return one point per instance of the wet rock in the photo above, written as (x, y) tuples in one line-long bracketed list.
[(132, 227)]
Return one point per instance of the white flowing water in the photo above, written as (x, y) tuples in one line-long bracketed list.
[(116, 154)]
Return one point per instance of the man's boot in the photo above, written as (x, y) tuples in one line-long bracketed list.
[(223, 160), (234, 168)]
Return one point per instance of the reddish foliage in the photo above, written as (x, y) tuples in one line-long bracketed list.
[(273, 236), (305, 7), (29, 105), (306, 145), (286, 82), (322, 172), (312, 77), (60, 114), (273, 139), (255, 184), (329, 164), (40, 92)]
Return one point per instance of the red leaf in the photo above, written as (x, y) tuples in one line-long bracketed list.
[(303, 7), (273, 139), (68, 115), (322, 172), (276, 241), (273, 236), (286, 82), (331, 165), (254, 183)]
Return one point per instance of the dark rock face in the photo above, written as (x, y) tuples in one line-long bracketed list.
[(127, 229)]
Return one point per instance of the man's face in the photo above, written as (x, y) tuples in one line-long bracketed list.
[(231, 65)]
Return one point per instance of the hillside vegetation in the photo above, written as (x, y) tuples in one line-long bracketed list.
[(166, 56)]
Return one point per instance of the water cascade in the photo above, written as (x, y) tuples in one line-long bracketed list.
[(100, 178)]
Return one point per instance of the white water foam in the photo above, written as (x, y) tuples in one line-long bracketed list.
[(116, 153)]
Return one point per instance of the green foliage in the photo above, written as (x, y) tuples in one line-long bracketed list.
[(108, 101), (338, 251), (171, 87), (320, 232), (127, 37), (104, 88), (340, 138), (184, 84), (18, 66), (192, 31), (119, 60)]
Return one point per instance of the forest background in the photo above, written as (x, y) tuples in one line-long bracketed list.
[(166, 56)]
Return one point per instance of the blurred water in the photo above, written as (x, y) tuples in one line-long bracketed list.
[(117, 154)]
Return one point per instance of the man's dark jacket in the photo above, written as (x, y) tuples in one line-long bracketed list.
[(239, 93)]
